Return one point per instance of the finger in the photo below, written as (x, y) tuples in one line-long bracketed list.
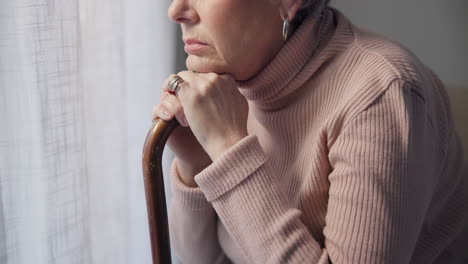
[(164, 95), (191, 80), (169, 105), (162, 112), (190, 76), (167, 82), (173, 106)]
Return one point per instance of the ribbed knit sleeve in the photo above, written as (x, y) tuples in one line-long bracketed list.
[(378, 179), (382, 180), (192, 224), (254, 209)]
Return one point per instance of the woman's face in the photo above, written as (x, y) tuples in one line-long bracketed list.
[(239, 37)]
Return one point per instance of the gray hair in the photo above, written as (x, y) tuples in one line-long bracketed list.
[(309, 8)]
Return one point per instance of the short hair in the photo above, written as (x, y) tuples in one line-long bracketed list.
[(309, 8)]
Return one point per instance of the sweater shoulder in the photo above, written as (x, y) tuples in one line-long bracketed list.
[(372, 62), (371, 65), (388, 58)]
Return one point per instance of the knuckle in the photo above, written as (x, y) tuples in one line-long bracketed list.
[(203, 91), (165, 94), (208, 84), (212, 76), (175, 101), (167, 105), (213, 79)]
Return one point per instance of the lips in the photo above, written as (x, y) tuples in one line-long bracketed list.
[(193, 41), (194, 46)]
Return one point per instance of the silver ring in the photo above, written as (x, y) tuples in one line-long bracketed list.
[(174, 85)]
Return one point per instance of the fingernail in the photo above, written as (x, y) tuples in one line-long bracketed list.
[(165, 114), (185, 122)]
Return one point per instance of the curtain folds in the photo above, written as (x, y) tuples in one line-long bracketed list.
[(78, 80)]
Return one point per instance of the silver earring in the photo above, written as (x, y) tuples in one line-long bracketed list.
[(285, 29)]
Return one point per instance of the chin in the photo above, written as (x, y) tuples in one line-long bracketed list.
[(205, 65)]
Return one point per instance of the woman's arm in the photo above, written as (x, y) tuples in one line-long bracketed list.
[(193, 224), (380, 188)]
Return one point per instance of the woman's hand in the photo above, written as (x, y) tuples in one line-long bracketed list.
[(217, 118), (215, 110), (192, 158)]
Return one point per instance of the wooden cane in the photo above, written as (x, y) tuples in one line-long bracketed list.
[(154, 189)]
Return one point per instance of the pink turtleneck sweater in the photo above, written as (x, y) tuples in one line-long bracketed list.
[(351, 158)]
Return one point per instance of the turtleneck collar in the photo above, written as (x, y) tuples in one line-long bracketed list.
[(296, 62)]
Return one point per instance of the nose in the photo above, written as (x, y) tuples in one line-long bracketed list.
[(182, 12)]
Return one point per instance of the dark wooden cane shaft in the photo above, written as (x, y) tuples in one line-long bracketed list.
[(154, 189)]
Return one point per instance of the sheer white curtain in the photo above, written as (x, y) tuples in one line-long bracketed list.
[(78, 79)]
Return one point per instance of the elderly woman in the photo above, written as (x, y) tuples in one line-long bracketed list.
[(306, 139)]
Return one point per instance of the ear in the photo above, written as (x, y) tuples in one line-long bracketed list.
[(288, 8)]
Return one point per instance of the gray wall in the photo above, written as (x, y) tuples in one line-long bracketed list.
[(435, 30)]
